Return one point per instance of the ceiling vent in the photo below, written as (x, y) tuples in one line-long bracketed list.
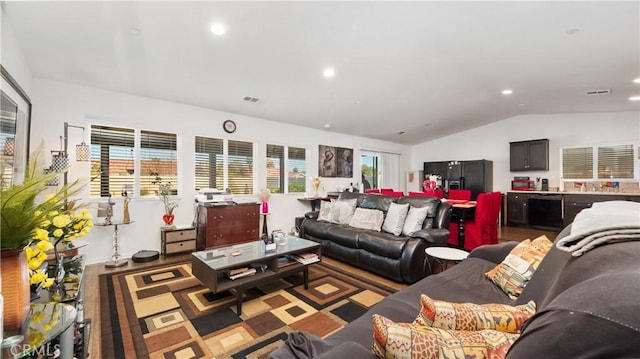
[(250, 99), (598, 92)]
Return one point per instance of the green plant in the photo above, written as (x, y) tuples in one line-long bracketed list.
[(21, 211)]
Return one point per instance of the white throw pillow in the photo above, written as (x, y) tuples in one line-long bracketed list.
[(342, 210), (365, 218), (414, 220), (325, 211), (394, 222)]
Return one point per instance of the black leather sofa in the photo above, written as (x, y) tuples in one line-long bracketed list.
[(401, 258)]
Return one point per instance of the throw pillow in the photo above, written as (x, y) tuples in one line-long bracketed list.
[(414, 220), (342, 210), (394, 222), (325, 211), (515, 271), (364, 218), (403, 340), (468, 316)]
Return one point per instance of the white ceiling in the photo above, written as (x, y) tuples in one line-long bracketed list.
[(399, 65)]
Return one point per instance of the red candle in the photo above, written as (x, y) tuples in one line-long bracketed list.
[(265, 207)]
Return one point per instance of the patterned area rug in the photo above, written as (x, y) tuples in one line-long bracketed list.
[(165, 312)]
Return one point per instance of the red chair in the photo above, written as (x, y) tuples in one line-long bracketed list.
[(386, 190), (463, 194), (373, 190), (437, 193), (395, 193), (483, 229)]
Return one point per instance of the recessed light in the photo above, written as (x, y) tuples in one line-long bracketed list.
[(218, 29), (637, 81), (507, 92), (327, 126), (634, 98), (329, 72)]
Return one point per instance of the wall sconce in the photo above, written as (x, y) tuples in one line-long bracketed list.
[(9, 146)]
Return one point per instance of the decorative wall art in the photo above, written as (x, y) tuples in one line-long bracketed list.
[(335, 161)]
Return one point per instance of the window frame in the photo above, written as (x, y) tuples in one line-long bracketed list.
[(595, 164), (286, 160), (225, 164)]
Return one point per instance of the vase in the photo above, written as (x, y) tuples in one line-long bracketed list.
[(16, 289), (316, 184), (168, 219)]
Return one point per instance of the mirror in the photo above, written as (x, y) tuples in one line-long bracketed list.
[(15, 112)]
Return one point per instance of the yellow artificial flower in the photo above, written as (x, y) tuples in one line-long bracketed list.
[(48, 282), (37, 317), (45, 223), (36, 260), (37, 213), (53, 213), (58, 233), (44, 245), (61, 221), (40, 234), (37, 277)]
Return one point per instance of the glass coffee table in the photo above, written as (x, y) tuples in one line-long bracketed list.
[(215, 267)]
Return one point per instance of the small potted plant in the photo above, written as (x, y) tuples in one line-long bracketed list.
[(169, 205)]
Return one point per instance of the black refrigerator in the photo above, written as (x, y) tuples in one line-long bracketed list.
[(476, 176)]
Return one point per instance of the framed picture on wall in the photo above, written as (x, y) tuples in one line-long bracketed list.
[(327, 161), (345, 162), (15, 124)]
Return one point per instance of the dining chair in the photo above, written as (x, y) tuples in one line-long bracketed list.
[(437, 193), (463, 194), (372, 190), (483, 228)]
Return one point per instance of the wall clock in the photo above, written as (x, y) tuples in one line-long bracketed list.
[(229, 126)]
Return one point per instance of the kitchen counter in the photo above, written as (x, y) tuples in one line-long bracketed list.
[(578, 192)]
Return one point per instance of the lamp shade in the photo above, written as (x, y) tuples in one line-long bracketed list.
[(60, 161), (55, 181), (83, 152), (9, 146)]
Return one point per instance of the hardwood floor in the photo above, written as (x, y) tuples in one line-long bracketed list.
[(92, 290)]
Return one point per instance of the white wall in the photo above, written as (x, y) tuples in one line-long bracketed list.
[(12, 57), (56, 102), (491, 141)]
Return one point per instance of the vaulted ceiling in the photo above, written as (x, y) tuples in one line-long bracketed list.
[(427, 69)]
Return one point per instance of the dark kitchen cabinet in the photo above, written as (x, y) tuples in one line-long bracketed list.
[(478, 177), (529, 155), (517, 208), (436, 168), (574, 203)]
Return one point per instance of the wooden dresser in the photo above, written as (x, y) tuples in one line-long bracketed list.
[(220, 226)]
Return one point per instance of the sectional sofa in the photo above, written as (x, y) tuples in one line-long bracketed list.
[(587, 305)]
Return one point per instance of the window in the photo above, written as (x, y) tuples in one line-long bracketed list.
[(611, 162), (240, 167), (112, 165), (209, 163), (158, 162), (369, 169), (297, 170), (113, 161), (213, 171), (295, 166)]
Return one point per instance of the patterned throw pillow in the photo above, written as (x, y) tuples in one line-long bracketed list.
[(342, 210), (325, 211), (394, 222), (414, 220), (365, 218), (403, 340), (515, 271), (468, 316)]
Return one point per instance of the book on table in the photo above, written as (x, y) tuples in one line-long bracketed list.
[(306, 258), (286, 261), (236, 273)]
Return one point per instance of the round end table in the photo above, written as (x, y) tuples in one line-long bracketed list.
[(445, 256)]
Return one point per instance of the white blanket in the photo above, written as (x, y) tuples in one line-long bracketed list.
[(604, 222)]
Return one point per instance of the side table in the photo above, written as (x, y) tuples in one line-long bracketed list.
[(116, 259), (178, 239), (445, 256)]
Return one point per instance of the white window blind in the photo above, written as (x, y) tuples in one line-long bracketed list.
[(240, 167), (275, 168), (615, 161), (297, 169), (112, 164), (158, 162), (577, 163), (209, 159)]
